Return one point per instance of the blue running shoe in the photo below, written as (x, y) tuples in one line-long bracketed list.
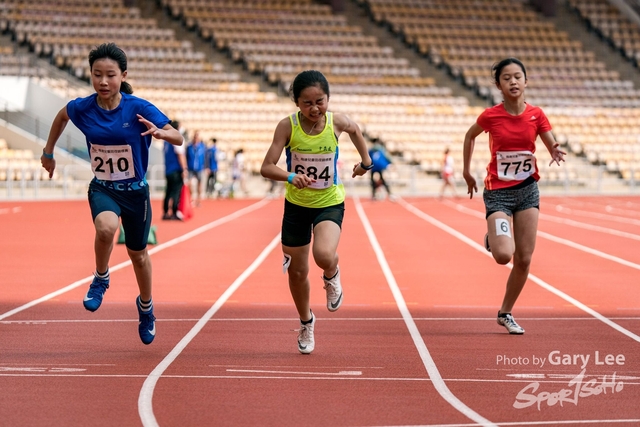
[(147, 326), (94, 296)]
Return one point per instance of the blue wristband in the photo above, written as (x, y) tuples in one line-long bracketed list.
[(290, 178), (48, 156)]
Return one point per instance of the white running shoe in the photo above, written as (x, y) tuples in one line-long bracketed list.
[(334, 291), (509, 322), (306, 342)]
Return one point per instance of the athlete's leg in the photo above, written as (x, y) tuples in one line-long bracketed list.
[(106, 224), (525, 224), (501, 239), (326, 236), (384, 183), (299, 278), (142, 267), (372, 180)]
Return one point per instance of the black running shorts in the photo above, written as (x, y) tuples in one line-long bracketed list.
[(298, 222), (133, 208)]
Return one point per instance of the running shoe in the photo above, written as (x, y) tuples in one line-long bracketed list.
[(334, 291), (94, 296), (306, 342), (486, 242), (147, 326), (507, 320)]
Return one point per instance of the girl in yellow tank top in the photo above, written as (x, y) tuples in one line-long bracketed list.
[(314, 198)]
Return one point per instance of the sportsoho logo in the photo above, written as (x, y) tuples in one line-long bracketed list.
[(578, 387)]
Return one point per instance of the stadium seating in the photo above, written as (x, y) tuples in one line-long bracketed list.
[(277, 39)]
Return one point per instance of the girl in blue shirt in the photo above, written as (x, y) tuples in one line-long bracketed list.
[(118, 128)]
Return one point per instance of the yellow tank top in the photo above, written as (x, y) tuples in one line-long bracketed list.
[(317, 157)]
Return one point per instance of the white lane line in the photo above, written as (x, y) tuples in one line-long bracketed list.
[(569, 243), (588, 250), (613, 209), (260, 371), (532, 277), (294, 366), (333, 319), (320, 377), (528, 423), (152, 251), (427, 360), (6, 211), (145, 404), (590, 227), (587, 214), (559, 220)]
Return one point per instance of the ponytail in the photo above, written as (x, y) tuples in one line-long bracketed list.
[(125, 87)]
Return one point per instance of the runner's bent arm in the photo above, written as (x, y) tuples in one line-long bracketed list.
[(269, 168), (167, 133), (343, 123)]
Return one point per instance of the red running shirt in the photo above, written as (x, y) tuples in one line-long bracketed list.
[(512, 141)]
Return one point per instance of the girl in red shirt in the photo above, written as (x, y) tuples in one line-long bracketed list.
[(511, 196)]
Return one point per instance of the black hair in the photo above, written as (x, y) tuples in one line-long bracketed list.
[(307, 79), (111, 51), (175, 124), (497, 68)]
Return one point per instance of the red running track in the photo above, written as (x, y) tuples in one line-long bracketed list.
[(415, 342)]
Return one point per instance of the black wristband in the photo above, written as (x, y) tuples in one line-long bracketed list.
[(367, 168)]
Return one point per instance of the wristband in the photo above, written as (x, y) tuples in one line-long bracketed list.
[(290, 178), (48, 156), (367, 168)]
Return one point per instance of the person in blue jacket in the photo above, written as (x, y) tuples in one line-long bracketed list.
[(118, 128), (381, 161), (175, 172), (196, 153), (211, 162)]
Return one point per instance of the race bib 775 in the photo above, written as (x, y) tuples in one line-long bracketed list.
[(515, 165)]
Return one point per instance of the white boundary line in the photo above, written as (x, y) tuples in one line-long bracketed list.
[(588, 250), (152, 251), (591, 227), (595, 215), (532, 277), (569, 243), (145, 404), (427, 360), (299, 376), (289, 319), (531, 423)]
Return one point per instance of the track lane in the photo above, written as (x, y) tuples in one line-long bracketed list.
[(51, 246), (494, 342), (598, 265), (372, 321), (365, 369), (104, 347)]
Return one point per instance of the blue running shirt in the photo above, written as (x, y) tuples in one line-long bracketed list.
[(117, 151)]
